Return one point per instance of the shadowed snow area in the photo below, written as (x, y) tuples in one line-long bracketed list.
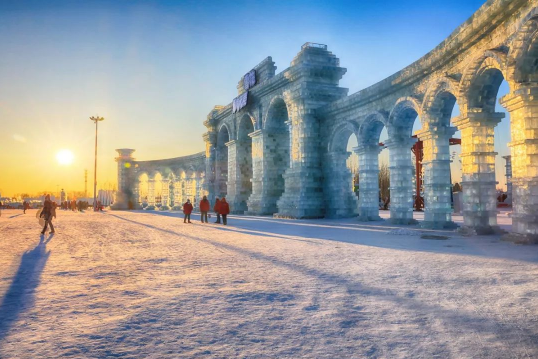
[(145, 285)]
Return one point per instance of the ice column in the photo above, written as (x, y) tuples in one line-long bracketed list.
[(340, 200), (221, 171), (183, 190), (401, 180), (127, 195), (314, 75), (239, 175), (200, 186), (478, 169), (437, 181), (303, 196), (523, 107), (368, 181), (209, 183), (270, 160), (165, 192), (258, 200), (176, 200), (151, 192), (234, 178), (136, 193)]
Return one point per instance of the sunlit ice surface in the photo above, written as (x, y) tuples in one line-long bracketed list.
[(142, 284)]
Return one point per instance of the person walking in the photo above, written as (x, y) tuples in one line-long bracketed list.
[(47, 213), (216, 208), (204, 208), (187, 210), (25, 206), (224, 210)]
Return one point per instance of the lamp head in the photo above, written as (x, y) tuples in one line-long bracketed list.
[(96, 118)]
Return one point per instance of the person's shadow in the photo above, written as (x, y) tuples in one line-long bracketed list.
[(20, 294)]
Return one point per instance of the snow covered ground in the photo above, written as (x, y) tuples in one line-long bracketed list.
[(145, 285)]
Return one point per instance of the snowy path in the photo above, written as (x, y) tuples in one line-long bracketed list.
[(140, 285)]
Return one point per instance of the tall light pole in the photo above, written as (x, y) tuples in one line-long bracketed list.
[(95, 119)]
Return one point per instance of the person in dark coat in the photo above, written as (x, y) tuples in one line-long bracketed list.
[(25, 206), (204, 208), (216, 208), (187, 210), (47, 213), (224, 210)]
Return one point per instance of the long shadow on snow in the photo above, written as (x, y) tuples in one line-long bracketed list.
[(263, 234), (454, 318), (362, 234), (20, 295)]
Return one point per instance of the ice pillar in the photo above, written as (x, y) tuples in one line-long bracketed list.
[(401, 180), (437, 181), (257, 202), (368, 181), (221, 171), (151, 192), (209, 182), (303, 196), (270, 160), (165, 193), (523, 107), (239, 175), (127, 196), (478, 169), (315, 73), (183, 191), (340, 200)]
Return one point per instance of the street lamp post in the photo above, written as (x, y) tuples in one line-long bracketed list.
[(95, 119)]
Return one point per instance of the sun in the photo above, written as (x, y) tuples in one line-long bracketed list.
[(65, 157)]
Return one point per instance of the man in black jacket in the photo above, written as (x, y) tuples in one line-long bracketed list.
[(48, 212)]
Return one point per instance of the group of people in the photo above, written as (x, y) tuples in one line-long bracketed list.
[(80, 205), (73, 205), (221, 208)]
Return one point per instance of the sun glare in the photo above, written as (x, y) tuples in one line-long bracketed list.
[(65, 157)]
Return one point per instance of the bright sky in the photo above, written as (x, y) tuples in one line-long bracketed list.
[(154, 70)]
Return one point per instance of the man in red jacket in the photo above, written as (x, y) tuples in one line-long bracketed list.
[(204, 208), (217, 209), (224, 210), (187, 209)]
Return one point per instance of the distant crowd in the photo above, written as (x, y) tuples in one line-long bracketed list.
[(221, 208), (79, 206)]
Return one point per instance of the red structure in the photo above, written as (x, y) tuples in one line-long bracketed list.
[(418, 151)]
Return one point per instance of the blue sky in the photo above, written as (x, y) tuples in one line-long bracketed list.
[(154, 69)]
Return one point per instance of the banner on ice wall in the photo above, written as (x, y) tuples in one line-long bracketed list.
[(239, 102), (249, 80)]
